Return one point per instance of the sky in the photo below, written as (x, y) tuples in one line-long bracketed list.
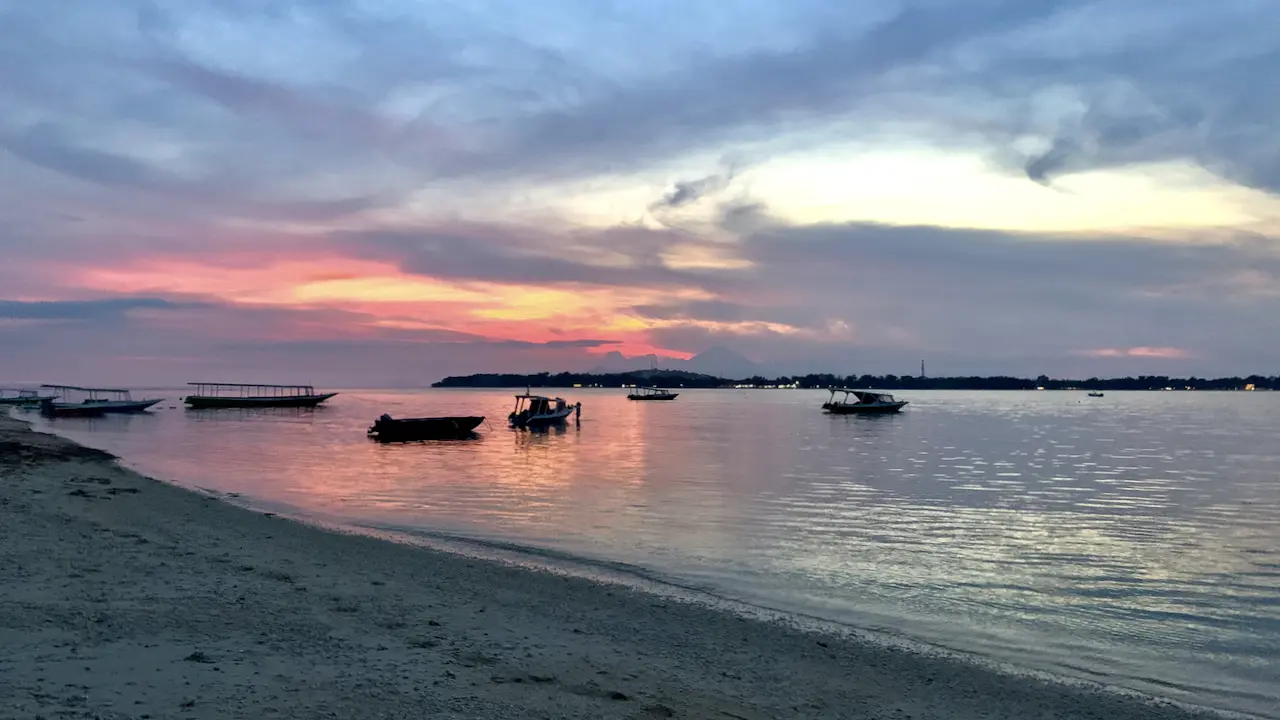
[(374, 192)]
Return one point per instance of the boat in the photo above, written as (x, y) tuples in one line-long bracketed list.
[(861, 402), (96, 401), (50, 409), (540, 411), (652, 393), (243, 395), (389, 429), (1095, 393), (10, 397)]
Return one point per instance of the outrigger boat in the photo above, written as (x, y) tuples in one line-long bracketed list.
[(856, 402), (652, 393), (97, 401), (389, 429), (540, 411), (242, 395), (22, 397)]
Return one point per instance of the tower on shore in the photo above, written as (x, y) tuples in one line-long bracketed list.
[(921, 368)]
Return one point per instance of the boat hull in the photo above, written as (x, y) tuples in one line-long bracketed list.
[(20, 401), (436, 428), (669, 396), (95, 409), (541, 420), (203, 402), (51, 410), (863, 408), (127, 406)]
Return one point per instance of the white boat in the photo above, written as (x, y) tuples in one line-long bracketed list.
[(539, 411), (862, 402), (652, 393)]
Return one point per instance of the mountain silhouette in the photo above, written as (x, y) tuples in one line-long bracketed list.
[(717, 361)]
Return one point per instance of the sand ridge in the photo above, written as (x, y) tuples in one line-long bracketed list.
[(125, 597)]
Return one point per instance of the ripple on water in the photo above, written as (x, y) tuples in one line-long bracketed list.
[(1134, 542)]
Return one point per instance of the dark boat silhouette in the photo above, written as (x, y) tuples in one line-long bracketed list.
[(242, 395), (389, 429)]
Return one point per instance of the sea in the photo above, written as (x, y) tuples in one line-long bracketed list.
[(1131, 540)]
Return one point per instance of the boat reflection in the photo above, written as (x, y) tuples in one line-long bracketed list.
[(223, 414), (469, 437)]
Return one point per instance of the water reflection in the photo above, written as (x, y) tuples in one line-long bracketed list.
[(241, 414), (1134, 540)]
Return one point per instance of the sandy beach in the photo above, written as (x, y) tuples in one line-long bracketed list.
[(125, 597)]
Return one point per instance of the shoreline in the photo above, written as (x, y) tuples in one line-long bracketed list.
[(129, 597)]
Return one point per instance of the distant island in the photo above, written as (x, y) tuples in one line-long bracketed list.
[(685, 379)]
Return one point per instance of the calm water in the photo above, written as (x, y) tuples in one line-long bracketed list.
[(1131, 539)]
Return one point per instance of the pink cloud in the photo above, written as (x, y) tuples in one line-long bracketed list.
[(1164, 353)]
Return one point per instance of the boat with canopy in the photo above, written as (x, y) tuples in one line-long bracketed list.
[(245, 395), (651, 393), (11, 397), (861, 402), (533, 411), (93, 401)]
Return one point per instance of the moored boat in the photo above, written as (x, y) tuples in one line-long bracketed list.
[(651, 393), (10, 397), (540, 411), (1095, 393), (244, 395), (389, 429), (861, 402), (95, 401)]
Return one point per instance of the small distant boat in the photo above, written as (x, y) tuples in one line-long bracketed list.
[(11, 398), (1095, 393), (859, 402), (242, 395), (96, 401), (540, 411), (389, 429), (652, 393)]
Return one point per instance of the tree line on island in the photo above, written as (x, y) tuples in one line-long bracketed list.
[(682, 379)]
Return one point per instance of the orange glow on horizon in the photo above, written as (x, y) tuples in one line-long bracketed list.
[(373, 298)]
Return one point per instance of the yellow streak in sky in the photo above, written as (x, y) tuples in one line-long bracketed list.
[(924, 186), (383, 288), (957, 190)]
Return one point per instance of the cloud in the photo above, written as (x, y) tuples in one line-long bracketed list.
[(586, 343), (861, 291), (1165, 353), (86, 310), (408, 146), (688, 192), (623, 257)]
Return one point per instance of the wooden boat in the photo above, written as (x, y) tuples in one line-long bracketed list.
[(242, 395), (861, 402), (50, 409), (96, 401), (652, 393), (11, 398), (539, 411), (389, 429), (1095, 393)]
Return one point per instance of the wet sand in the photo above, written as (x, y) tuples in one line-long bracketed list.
[(124, 597)]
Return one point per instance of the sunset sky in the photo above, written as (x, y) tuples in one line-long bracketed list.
[(362, 192)]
